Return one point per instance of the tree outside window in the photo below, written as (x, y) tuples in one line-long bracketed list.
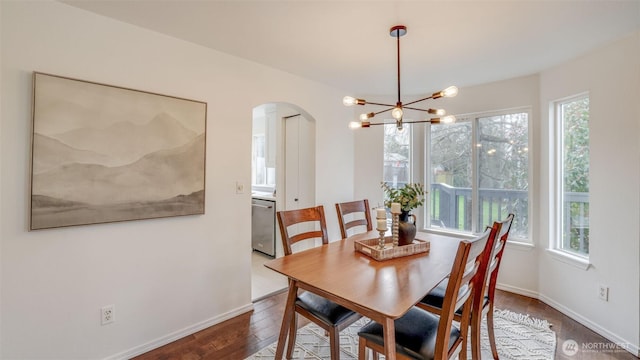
[(572, 118), (397, 155), (479, 172)]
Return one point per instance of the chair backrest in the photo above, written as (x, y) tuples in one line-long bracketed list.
[(353, 208), (288, 218), (461, 286), (496, 254)]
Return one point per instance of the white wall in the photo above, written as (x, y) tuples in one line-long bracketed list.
[(1, 177), (611, 75), (166, 276)]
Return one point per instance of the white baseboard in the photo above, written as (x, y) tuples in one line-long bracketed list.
[(626, 344), (164, 340), (629, 346), (517, 290)]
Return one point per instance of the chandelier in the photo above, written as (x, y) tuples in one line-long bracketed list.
[(397, 110)]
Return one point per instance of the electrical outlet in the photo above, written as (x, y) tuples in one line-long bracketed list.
[(107, 314), (239, 187), (603, 292)]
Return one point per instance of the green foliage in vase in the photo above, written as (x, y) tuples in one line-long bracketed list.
[(409, 197)]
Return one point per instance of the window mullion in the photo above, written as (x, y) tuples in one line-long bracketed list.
[(475, 193)]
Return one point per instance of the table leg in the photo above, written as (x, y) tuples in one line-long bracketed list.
[(289, 312), (389, 333)]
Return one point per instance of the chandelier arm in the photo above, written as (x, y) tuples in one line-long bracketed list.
[(382, 111), (379, 104), (412, 108), (418, 121), (417, 101), (404, 122)]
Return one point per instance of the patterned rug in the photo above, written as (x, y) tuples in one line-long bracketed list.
[(518, 336)]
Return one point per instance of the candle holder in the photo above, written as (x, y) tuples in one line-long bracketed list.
[(381, 217), (381, 239), (395, 220)]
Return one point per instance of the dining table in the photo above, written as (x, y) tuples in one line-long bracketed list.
[(380, 290)]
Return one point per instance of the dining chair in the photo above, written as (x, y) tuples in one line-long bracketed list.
[(494, 267), (352, 214), (330, 316), (482, 303), (423, 335)]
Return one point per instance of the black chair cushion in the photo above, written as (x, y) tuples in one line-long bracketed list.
[(415, 334), (435, 297), (326, 310)]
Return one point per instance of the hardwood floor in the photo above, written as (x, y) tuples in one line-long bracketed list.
[(237, 338)]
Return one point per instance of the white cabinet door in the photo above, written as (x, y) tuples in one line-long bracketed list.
[(300, 143), (270, 138), (299, 163)]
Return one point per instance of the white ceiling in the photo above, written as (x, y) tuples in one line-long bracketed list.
[(346, 44)]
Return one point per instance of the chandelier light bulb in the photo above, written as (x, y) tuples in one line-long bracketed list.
[(438, 112), (366, 116), (355, 125), (396, 113), (449, 119), (451, 91), (350, 101)]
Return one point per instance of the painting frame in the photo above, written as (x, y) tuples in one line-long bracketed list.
[(104, 153)]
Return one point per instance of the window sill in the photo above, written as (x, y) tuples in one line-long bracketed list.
[(514, 244), (577, 261), (447, 233), (520, 245)]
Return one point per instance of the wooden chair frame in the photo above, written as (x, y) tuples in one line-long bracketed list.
[(486, 285), (493, 268), (459, 295), (352, 207), (285, 220)]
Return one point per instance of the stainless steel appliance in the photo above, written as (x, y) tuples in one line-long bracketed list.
[(263, 226)]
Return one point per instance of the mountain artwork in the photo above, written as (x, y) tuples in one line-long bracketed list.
[(104, 154)]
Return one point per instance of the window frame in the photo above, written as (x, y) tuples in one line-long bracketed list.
[(555, 246), (409, 129), (473, 118)]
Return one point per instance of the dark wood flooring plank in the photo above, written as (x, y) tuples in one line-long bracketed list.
[(237, 338)]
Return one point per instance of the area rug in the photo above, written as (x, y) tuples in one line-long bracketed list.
[(518, 336)]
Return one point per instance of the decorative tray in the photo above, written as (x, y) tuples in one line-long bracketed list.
[(371, 248)]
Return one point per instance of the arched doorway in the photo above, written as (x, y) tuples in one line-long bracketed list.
[(282, 170)]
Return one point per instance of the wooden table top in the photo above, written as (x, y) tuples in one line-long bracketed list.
[(386, 288)]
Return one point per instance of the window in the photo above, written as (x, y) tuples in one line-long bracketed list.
[(260, 173), (478, 172), (397, 155), (572, 169)]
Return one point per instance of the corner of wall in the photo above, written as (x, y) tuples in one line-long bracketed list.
[(1, 142)]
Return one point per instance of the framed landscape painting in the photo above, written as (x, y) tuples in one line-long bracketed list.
[(104, 153)]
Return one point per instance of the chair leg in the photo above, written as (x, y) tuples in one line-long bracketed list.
[(334, 344), (476, 319), (462, 355), (362, 349), (293, 330), (492, 336), (375, 355)]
